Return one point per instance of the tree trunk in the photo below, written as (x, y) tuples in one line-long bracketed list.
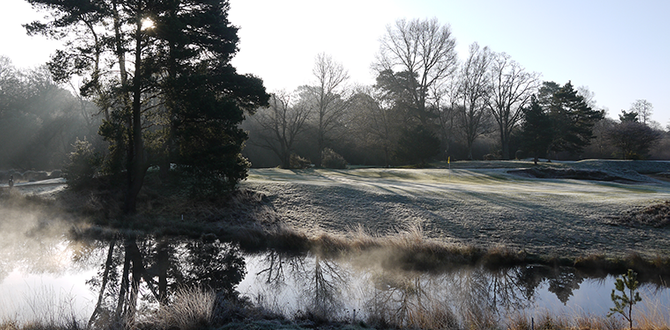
[(124, 283), (137, 167), (504, 138), (105, 279), (163, 266)]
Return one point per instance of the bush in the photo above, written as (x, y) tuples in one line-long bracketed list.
[(298, 162), (331, 159), (417, 145), (82, 164)]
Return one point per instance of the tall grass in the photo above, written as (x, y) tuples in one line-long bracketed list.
[(40, 309), (189, 309), (651, 320)]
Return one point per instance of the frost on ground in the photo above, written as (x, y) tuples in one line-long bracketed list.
[(484, 207)]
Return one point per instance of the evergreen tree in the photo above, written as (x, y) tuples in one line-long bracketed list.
[(628, 116), (572, 120), (170, 94), (417, 145), (536, 130), (632, 138)]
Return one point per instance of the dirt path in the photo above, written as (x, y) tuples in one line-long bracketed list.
[(42, 188), (487, 207)]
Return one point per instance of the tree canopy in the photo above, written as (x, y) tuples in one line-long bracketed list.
[(572, 119), (160, 71)]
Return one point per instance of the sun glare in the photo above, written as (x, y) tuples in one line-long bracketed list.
[(147, 24)]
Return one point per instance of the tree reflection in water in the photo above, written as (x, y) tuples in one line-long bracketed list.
[(144, 272), (480, 297), (320, 281)]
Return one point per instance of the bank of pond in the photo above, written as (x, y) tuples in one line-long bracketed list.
[(129, 281)]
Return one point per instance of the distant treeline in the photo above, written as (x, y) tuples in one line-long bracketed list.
[(424, 106), (39, 121), (427, 105)]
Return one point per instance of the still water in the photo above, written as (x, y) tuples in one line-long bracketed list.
[(51, 279)]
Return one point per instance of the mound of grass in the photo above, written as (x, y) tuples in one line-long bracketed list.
[(655, 215)]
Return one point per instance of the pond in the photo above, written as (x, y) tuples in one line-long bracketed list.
[(43, 279)]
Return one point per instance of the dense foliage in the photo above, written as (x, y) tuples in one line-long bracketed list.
[(160, 72)]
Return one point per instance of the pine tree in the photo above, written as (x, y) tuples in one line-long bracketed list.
[(572, 120), (160, 71), (536, 130)]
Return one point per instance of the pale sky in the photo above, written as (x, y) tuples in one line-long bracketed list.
[(620, 50)]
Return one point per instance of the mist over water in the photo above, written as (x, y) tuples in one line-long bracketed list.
[(46, 275)]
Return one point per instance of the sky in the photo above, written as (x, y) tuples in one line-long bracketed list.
[(620, 50)]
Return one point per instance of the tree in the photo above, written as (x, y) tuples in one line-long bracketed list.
[(168, 92), (415, 56), (536, 130), (627, 282), (632, 138), (643, 108), (39, 121), (510, 92), (281, 123), (416, 145), (374, 126), (628, 116), (327, 98), (572, 119), (473, 90)]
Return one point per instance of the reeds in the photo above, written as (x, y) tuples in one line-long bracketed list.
[(189, 309), (651, 320)]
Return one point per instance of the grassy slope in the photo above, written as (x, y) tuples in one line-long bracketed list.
[(481, 205)]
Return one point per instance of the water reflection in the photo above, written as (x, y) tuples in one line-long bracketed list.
[(321, 282), (465, 296), (145, 272), (134, 275)]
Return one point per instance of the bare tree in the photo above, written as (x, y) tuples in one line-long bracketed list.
[(473, 88), (327, 97), (280, 124), (511, 89), (643, 108), (588, 95), (448, 112), (422, 52)]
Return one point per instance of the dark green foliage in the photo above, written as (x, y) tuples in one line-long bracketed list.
[(82, 165), (623, 304), (572, 120), (174, 99), (205, 139), (399, 88), (214, 265), (558, 120), (632, 139), (536, 130), (417, 145), (628, 116), (331, 159)]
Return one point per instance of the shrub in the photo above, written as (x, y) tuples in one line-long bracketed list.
[(417, 145), (298, 162), (331, 159), (82, 164)]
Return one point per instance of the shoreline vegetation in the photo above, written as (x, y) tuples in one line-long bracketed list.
[(247, 217)]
